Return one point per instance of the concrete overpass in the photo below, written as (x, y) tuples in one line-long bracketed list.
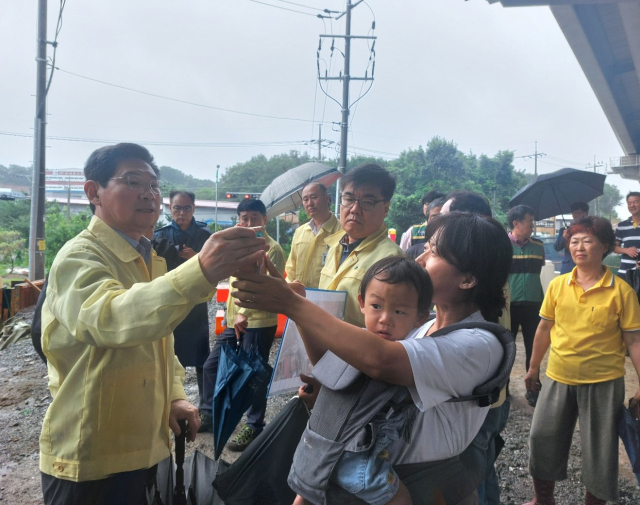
[(605, 38)]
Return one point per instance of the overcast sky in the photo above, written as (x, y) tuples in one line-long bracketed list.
[(483, 76)]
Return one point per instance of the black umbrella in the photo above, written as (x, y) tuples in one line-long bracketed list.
[(259, 475), (198, 472), (553, 194)]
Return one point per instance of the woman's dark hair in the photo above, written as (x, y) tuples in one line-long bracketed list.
[(188, 194), (372, 175), (401, 270), (251, 205), (476, 245), (599, 227), (103, 162)]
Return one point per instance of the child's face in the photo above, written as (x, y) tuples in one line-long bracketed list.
[(390, 310)]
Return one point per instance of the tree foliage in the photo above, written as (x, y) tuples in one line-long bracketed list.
[(608, 202), (58, 231), (441, 166), (12, 245)]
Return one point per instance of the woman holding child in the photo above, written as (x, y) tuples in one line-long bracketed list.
[(467, 258)]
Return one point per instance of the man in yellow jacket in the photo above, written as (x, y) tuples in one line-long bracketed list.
[(308, 250), (366, 195), (107, 326), (248, 327)]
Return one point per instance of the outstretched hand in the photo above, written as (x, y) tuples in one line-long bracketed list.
[(270, 293), (229, 250)]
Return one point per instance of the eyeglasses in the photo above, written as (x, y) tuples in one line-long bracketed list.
[(178, 208), (139, 185), (365, 203)]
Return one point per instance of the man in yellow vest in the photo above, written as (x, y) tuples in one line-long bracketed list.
[(366, 195), (308, 250)]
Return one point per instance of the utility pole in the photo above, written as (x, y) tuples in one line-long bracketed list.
[(68, 199), (320, 143), (215, 227), (346, 78), (595, 166), (535, 156), (36, 223)]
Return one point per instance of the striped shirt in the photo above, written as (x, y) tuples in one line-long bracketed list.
[(628, 236)]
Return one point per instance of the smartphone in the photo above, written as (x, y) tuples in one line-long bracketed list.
[(259, 230)]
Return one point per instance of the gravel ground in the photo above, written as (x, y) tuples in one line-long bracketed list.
[(24, 399)]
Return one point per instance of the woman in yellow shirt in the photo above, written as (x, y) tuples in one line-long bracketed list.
[(588, 316)]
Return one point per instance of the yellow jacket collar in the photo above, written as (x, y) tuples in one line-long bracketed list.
[(112, 240), (334, 240)]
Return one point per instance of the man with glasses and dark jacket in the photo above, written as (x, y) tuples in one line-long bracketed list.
[(366, 195)]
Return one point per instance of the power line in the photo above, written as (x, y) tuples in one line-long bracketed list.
[(284, 8), (183, 101), (305, 6), (164, 143)]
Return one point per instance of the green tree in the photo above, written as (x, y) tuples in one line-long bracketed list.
[(608, 202), (58, 231), (11, 246), (15, 216)]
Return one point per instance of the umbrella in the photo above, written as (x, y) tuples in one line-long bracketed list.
[(241, 378), (197, 470), (553, 194), (285, 192), (629, 432), (266, 462)]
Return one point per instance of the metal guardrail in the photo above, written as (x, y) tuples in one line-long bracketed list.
[(625, 161)]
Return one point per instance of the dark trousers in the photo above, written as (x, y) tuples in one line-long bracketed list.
[(260, 338), (525, 316), (489, 488), (125, 488)]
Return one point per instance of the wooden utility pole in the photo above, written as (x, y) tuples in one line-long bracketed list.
[(36, 223)]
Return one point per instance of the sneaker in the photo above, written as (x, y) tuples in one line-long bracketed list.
[(531, 397), (206, 423), (242, 440)]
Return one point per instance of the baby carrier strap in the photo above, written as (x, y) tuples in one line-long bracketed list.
[(488, 393)]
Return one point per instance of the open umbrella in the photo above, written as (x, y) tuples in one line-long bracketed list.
[(241, 378), (553, 194), (285, 192), (629, 432)]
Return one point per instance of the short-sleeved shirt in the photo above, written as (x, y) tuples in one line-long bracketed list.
[(445, 367), (629, 236), (586, 339)]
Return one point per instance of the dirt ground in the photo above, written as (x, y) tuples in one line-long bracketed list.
[(24, 399)]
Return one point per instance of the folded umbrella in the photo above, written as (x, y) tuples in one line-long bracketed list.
[(241, 378), (553, 194), (266, 462), (187, 482), (629, 432)]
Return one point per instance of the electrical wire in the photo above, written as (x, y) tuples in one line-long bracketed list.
[(184, 101), (53, 58), (302, 5), (283, 8), (162, 143)]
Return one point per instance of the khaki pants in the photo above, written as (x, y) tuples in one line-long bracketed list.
[(597, 406)]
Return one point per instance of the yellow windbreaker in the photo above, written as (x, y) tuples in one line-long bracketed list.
[(107, 327), (307, 251), (348, 276)]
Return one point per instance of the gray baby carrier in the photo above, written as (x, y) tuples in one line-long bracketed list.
[(348, 401)]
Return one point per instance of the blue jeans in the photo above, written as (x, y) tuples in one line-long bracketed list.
[(260, 338), (489, 488)]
